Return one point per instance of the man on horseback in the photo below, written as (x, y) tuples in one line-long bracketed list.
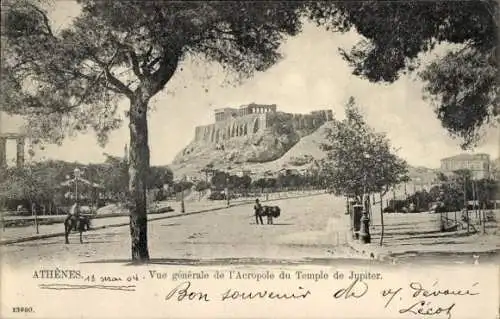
[(258, 212), (73, 214), (76, 220)]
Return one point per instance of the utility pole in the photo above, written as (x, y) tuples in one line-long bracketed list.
[(465, 204), (381, 220), (3, 213), (227, 191), (183, 210)]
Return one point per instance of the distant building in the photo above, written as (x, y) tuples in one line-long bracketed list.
[(477, 164)]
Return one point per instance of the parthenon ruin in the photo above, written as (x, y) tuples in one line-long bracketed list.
[(252, 108), (252, 118)]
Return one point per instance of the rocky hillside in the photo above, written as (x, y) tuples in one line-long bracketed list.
[(260, 154), (266, 151)]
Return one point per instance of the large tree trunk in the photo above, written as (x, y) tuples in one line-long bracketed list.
[(138, 168)]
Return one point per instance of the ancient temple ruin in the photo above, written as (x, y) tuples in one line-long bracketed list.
[(12, 128), (229, 113), (253, 118)]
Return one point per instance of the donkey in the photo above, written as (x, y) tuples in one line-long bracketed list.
[(269, 211)]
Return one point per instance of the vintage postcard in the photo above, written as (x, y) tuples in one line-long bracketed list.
[(263, 159)]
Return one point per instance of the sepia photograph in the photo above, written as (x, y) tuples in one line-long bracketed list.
[(214, 159)]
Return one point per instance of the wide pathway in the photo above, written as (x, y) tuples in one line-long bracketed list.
[(308, 227)]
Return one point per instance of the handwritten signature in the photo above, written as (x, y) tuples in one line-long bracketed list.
[(425, 303)]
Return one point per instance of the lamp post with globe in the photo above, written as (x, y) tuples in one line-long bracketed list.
[(77, 172)]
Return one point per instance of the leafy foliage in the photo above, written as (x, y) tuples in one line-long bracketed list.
[(75, 76), (181, 186), (466, 89), (463, 84), (219, 180), (34, 184), (159, 176), (201, 186), (360, 161)]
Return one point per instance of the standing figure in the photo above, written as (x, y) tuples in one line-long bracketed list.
[(258, 212), (269, 214), (73, 215)]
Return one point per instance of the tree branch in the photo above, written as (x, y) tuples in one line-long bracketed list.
[(132, 57), (45, 18), (146, 69), (146, 57), (385, 191), (119, 86), (168, 65)]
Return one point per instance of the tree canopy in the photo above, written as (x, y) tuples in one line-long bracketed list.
[(358, 159), (463, 83), (102, 56), (74, 75)]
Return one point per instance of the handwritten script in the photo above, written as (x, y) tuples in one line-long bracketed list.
[(415, 299), (419, 299), (427, 300)]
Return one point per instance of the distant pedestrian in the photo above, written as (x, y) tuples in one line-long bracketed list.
[(258, 212)]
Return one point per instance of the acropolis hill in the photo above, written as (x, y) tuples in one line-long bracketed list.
[(252, 133)]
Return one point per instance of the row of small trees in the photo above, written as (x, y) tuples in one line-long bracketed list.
[(40, 183), (221, 180), (456, 191)]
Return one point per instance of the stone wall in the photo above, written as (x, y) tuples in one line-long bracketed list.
[(253, 123), (299, 122), (236, 127)]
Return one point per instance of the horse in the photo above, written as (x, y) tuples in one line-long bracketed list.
[(80, 223), (77, 223), (270, 212)]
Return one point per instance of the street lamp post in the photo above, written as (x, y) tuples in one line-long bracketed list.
[(183, 209), (364, 232), (227, 187), (77, 174), (417, 180), (466, 206), (227, 191)]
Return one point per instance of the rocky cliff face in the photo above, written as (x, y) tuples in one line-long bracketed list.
[(257, 138)]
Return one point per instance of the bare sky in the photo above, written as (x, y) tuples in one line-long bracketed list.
[(311, 76)]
